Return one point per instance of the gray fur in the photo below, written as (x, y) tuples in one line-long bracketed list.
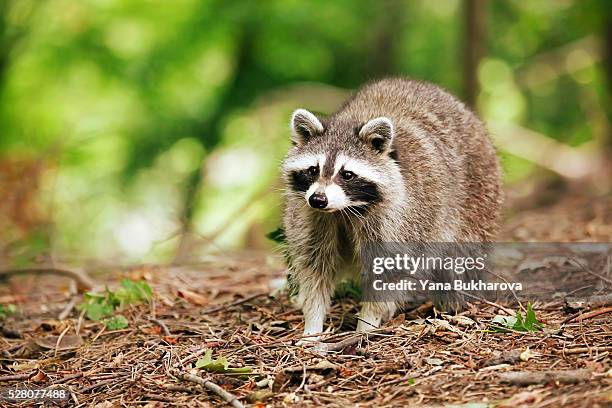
[(444, 187)]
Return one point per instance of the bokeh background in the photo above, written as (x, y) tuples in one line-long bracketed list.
[(148, 130)]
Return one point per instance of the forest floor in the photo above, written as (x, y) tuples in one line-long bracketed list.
[(223, 304)]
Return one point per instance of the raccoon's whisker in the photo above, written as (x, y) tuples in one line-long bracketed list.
[(352, 211)]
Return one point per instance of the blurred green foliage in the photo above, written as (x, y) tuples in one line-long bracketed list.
[(100, 305), (157, 118)]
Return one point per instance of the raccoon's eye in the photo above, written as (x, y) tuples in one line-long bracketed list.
[(347, 175), (313, 170)]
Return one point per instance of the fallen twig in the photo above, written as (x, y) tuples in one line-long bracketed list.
[(156, 397), (590, 302), (15, 377), (211, 386), (341, 345), (97, 385), (579, 350), (483, 300), (509, 356), (162, 325), (83, 281), (588, 270), (190, 357), (64, 314), (591, 314), (236, 303), (543, 377), (68, 378)]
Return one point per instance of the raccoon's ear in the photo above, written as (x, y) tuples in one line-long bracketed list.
[(304, 125), (379, 133)]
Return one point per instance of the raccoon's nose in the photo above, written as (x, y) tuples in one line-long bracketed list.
[(318, 200)]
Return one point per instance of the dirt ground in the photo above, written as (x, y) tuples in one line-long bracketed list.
[(420, 358)]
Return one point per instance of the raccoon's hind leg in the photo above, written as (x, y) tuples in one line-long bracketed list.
[(373, 314)]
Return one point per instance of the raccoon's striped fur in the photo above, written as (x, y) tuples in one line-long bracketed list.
[(400, 161)]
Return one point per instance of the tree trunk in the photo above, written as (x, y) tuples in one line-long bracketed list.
[(474, 47)]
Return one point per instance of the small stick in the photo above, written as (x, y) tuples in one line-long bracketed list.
[(580, 350), (162, 325), (84, 282), (543, 377), (586, 269), (15, 377), (211, 386), (510, 312), (64, 314), (511, 291), (236, 303), (179, 388), (591, 314), (68, 378), (12, 349), (79, 322), (593, 301), (570, 318), (303, 380), (191, 356), (341, 345), (59, 339), (156, 397), (96, 385)]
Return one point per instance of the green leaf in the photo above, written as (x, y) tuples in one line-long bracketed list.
[(518, 323), (7, 310), (500, 322), (96, 311), (531, 321), (347, 290), (278, 236), (116, 322), (100, 305), (219, 365), (206, 360)]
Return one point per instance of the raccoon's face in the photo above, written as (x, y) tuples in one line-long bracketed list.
[(339, 166)]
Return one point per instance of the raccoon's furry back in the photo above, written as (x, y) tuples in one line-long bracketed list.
[(446, 158)]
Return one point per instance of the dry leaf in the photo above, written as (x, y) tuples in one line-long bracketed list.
[(345, 372), (526, 398), (193, 297), (152, 330), (527, 354), (117, 360), (397, 320), (170, 339), (461, 321), (24, 366), (68, 342), (105, 404), (434, 361), (39, 377)]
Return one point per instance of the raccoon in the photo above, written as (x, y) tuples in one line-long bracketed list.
[(400, 161)]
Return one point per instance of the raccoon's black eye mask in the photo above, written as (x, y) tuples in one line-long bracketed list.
[(359, 190), (301, 180)]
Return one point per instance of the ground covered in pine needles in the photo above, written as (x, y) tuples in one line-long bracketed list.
[(220, 312)]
